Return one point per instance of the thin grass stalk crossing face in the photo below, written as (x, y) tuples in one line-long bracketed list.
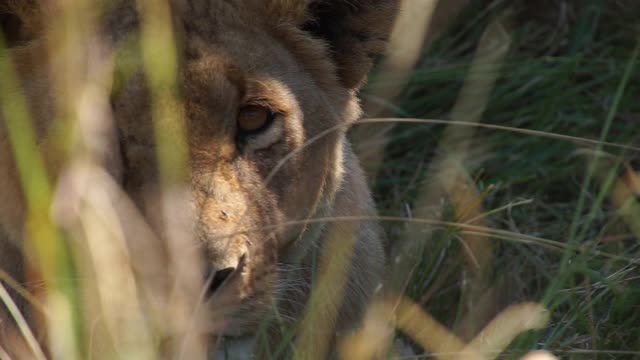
[(176, 181)]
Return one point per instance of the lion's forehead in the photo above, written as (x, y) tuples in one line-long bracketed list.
[(245, 10)]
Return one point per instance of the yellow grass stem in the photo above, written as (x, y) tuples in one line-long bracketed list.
[(314, 339), (160, 63)]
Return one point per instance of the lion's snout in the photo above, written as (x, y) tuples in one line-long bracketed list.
[(238, 283), (226, 260), (218, 277)]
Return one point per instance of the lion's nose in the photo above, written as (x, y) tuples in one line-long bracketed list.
[(217, 278)]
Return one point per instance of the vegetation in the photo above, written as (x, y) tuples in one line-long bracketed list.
[(571, 69), (511, 175)]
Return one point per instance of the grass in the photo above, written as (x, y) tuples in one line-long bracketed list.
[(571, 70), (520, 217)]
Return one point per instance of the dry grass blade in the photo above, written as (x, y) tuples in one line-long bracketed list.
[(446, 176), (403, 52), (26, 332), (442, 343), (465, 227), (624, 195), (501, 331), (539, 355), (429, 333), (529, 132), (419, 23), (373, 339), (458, 145), (22, 291), (100, 227), (322, 309)]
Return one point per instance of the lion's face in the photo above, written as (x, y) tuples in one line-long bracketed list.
[(251, 97), (265, 91)]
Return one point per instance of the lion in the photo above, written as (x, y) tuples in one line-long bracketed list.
[(267, 90)]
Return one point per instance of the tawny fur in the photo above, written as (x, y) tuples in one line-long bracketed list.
[(304, 59)]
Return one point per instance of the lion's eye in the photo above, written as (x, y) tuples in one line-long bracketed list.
[(254, 119)]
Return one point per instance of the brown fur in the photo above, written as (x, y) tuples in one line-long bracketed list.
[(20, 21), (305, 60)]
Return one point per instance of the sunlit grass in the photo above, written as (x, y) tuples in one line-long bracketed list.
[(501, 177)]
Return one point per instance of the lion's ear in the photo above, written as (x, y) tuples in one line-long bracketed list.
[(356, 31)]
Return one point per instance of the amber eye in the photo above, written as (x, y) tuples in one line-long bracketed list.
[(254, 118)]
